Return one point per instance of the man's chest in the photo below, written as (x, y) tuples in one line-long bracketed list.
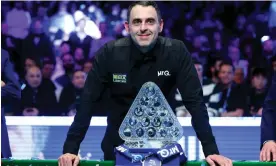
[(128, 78)]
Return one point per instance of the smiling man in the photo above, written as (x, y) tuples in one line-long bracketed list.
[(123, 66)]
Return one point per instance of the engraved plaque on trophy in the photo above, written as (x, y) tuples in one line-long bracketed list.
[(150, 122)]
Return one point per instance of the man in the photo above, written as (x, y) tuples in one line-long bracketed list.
[(70, 95), (38, 97), (207, 88), (124, 66), (10, 92), (228, 98), (258, 91), (268, 125)]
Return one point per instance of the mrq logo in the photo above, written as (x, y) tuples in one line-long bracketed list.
[(168, 152)]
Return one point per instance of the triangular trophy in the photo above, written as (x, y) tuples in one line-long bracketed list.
[(150, 121)]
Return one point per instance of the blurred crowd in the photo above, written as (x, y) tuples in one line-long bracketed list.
[(52, 46)]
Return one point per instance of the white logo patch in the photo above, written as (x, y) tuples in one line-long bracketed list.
[(163, 73)]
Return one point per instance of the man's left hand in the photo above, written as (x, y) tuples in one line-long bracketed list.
[(214, 160)]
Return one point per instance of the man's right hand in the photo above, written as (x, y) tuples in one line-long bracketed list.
[(68, 159), (269, 148)]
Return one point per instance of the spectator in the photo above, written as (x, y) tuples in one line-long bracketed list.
[(214, 69), (38, 45), (79, 58), (258, 91), (18, 21), (64, 48), (239, 76), (217, 43), (273, 61), (47, 72), (188, 36), (68, 66), (63, 21), (240, 24), (228, 98), (37, 98), (4, 35), (70, 95), (207, 87), (208, 21), (41, 15), (79, 38), (264, 60), (235, 57), (88, 65), (96, 44), (268, 49), (48, 69), (29, 62)]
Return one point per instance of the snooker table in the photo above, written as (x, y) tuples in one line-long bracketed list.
[(111, 163)]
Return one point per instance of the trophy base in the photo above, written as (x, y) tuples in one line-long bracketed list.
[(122, 160), (147, 144)]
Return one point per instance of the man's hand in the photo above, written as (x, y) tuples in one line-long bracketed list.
[(2, 83), (212, 160), (268, 149), (68, 160)]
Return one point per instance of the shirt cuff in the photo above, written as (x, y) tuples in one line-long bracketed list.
[(268, 141)]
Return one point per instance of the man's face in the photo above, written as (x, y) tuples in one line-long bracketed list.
[(79, 79), (241, 20), (274, 65), (217, 36), (239, 76), (199, 70), (79, 54), (189, 31), (103, 28), (268, 46), (87, 67), (34, 77), (259, 82), (41, 12), (226, 74), (197, 42), (48, 70), (67, 59), (65, 48), (38, 27), (29, 63), (143, 25), (234, 53), (4, 28)]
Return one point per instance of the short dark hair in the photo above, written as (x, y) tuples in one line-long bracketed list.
[(196, 61), (227, 63), (259, 72), (145, 4)]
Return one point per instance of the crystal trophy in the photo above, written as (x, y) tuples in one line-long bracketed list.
[(150, 121)]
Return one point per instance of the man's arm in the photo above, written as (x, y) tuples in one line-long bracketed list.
[(268, 121), (94, 86), (11, 90), (191, 91)]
